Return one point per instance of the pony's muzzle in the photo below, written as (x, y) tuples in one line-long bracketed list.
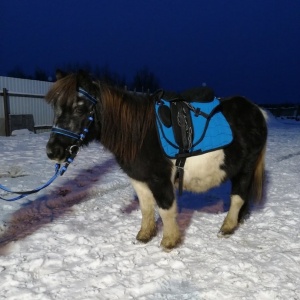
[(56, 153)]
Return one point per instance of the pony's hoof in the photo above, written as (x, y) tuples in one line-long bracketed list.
[(170, 243), (146, 237), (228, 227), (226, 231), (223, 235)]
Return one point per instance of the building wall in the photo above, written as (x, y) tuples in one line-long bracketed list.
[(33, 103)]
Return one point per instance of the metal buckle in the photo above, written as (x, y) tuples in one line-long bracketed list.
[(73, 149)]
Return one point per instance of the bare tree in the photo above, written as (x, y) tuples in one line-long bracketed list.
[(144, 81), (112, 78), (17, 72), (40, 74)]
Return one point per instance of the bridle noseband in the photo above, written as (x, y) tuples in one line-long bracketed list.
[(73, 149)]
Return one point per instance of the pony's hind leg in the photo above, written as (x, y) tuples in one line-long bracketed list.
[(147, 205), (238, 203), (231, 221), (245, 185)]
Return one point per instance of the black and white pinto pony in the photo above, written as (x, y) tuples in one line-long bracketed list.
[(125, 124)]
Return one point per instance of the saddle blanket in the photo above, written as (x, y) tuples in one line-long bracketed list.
[(205, 126)]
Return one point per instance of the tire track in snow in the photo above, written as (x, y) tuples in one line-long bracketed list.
[(285, 157)]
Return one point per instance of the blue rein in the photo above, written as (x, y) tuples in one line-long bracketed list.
[(60, 170)]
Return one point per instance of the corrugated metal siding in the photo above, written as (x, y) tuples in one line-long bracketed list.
[(26, 86), (41, 111)]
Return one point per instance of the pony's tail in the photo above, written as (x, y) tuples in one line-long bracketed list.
[(258, 176)]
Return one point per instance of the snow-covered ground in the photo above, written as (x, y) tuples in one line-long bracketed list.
[(76, 239)]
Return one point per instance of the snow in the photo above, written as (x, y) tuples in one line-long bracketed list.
[(76, 238), (21, 132)]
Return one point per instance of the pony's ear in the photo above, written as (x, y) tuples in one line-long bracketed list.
[(158, 94), (84, 76), (60, 74)]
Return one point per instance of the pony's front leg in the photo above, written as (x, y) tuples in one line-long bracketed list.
[(147, 205), (164, 195), (171, 233)]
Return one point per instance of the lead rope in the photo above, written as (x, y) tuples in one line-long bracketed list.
[(73, 150), (58, 171)]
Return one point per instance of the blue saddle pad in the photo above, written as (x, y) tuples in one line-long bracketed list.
[(211, 130)]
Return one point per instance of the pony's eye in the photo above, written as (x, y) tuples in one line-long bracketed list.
[(79, 109)]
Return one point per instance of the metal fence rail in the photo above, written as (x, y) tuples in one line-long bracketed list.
[(285, 111)]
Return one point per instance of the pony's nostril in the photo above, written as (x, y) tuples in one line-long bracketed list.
[(50, 153), (55, 153)]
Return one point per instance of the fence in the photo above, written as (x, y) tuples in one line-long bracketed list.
[(285, 111), (22, 105)]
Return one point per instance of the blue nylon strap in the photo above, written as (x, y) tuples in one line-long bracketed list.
[(66, 133), (58, 171), (87, 95)]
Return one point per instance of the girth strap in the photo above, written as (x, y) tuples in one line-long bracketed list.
[(180, 173)]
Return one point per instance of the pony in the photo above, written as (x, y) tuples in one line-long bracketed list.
[(124, 123)]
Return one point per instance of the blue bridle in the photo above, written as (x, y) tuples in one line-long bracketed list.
[(68, 133), (73, 150)]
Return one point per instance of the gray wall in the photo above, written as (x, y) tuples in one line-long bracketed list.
[(20, 105)]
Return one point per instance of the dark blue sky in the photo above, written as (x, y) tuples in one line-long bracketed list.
[(247, 47)]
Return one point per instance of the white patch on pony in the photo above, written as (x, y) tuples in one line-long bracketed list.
[(203, 172), (57, 113)]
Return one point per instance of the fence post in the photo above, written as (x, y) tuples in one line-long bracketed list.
[(6, 112)]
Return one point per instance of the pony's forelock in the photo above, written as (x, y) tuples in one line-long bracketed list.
[(63, 91)]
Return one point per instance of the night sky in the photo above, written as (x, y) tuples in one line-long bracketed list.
[(246, 47)]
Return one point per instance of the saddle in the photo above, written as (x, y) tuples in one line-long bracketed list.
[(188, 128)]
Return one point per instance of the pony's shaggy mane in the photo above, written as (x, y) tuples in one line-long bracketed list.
[(125, 120)]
